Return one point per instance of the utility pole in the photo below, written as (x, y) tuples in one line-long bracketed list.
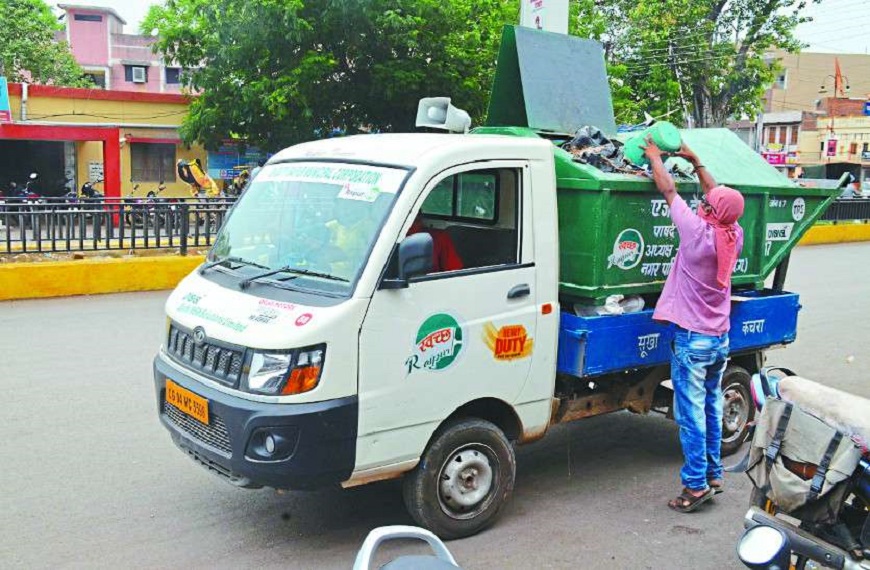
[(690, 120)]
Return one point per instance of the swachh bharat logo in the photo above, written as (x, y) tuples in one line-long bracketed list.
[(438, 343), (627, 250)]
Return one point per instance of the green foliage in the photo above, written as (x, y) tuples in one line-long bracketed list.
[(28, 51), (277, 72), (693, 60)]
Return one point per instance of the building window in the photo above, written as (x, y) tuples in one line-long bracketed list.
[(794, 135), (781, 80), (173, 75), (88, 18), (98, 79), (782, 135), (136, 74), (152, 162), (771, 135), (853, 148)]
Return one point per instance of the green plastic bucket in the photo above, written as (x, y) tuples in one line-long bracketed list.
[(664, 134)]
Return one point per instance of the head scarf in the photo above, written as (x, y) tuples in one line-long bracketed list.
[(727, 207)]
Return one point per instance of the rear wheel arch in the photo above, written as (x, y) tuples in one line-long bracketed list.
[(493, 410)]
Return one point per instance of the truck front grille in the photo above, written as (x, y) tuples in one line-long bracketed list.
[(214, 434), (219, 361)]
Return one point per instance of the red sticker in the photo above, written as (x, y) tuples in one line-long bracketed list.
[(303, 319)]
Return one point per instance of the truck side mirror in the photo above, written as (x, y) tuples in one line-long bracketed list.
[(414, 258)]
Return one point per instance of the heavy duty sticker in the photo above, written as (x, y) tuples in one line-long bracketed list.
[(437, 345), (627, 250), (510, 342)]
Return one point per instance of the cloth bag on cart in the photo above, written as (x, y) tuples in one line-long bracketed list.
[(801, 463)]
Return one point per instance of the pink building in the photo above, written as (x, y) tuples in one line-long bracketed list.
[(115, 60)]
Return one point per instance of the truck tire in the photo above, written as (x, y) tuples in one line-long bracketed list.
[(738, 408), (463, 479)]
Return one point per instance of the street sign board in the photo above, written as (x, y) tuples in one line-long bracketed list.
[(547, 15), (5, 109), (867, 107)]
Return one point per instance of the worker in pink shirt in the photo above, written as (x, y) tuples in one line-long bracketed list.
[(697, 299)]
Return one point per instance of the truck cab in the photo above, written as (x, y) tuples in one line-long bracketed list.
[(321, 344)]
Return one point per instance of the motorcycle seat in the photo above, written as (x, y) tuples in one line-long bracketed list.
[(844, 411)]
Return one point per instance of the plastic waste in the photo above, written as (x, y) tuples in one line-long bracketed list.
[(590, 146), (613, 305)]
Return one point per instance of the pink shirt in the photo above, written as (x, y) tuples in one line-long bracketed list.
[(692, 298)]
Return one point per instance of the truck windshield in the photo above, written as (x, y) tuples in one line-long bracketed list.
[(312, 223)]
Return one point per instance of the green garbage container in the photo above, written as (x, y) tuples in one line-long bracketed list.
[(615, 231)]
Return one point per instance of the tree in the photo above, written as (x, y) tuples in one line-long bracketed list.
[(28, 50), (277, 72), (698, 61)]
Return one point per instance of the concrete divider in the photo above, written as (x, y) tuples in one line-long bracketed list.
[(836, 233), (93, 276)]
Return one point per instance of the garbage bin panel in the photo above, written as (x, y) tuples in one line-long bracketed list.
[(615, 231)]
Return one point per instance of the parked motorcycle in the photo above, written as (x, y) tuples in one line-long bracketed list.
[(151, 210), (24, 202), (810, 467)]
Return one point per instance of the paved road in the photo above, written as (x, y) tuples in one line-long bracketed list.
[(89, 479)]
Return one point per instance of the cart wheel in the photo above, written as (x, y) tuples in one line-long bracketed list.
[(465, 476), (738, 408)]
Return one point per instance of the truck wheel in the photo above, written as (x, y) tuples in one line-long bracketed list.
[(464, 477), (738, 409)]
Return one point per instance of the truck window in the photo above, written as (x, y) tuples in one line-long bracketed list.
[(469, 195), (479, 212), (314, 223)]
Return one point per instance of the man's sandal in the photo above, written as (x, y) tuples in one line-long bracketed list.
[(718, 485), (686, 502)]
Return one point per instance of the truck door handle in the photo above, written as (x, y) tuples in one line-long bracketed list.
[(518, 291)]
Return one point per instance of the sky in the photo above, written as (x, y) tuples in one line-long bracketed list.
[(839, 26)]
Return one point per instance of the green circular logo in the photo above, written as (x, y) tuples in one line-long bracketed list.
[(627, 250), (438, 343)]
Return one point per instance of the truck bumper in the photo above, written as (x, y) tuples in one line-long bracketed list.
[(254, 444)]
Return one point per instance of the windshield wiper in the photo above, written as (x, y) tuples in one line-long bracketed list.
[(231, 259), (245, 283)]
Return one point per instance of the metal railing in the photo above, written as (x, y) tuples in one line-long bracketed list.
[(848, 209), (59, 225)]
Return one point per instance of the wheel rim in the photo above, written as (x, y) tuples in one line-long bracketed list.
[(467, 480), (735, 414)]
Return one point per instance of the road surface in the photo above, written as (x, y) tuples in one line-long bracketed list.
[(89, 478)]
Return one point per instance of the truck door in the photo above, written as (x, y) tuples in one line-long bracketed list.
[(455, 335)]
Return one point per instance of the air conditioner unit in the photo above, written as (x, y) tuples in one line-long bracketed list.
[(139, 75)]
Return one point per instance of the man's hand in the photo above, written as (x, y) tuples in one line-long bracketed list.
[(704, 176), (688, 154), (664, 182), (651, 149)]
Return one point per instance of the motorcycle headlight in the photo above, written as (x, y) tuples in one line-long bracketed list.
[(287, 372)]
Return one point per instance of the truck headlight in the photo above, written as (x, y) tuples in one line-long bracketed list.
[(287, 372)]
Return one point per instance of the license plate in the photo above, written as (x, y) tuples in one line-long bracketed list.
[(186, 401)]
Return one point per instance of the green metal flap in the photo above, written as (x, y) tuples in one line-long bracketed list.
[(550, 82), (732, 162)]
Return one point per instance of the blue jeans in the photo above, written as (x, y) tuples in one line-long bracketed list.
[(697, 364)]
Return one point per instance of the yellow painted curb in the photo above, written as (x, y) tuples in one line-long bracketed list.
[(836, 233), (93, 276)]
